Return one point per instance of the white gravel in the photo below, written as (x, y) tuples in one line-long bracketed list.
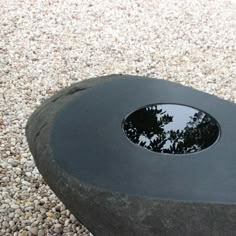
[(47, 45)]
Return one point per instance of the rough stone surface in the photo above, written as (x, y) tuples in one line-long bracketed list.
[(116, 212)]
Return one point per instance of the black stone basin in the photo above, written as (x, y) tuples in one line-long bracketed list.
[(131, 155)]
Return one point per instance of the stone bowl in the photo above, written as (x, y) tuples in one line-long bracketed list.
[(116, 183)]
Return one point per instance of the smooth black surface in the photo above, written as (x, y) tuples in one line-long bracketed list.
[(87, 141), (171, 128)]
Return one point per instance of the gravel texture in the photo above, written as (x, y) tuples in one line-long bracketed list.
[(47, 45)]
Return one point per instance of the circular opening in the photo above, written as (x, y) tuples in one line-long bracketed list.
[(171, 128)]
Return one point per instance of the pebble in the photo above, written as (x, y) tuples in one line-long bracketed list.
[(72, 218), (14, 228), (12, 223), (49, 214), (13, 163), (5, 179), (41, 232), (67, 221), (4, 205), (58, 228), (24, 233), (4, 165), (5, 224), (14, 206), (33, 230), (28, 174), (11, 215)]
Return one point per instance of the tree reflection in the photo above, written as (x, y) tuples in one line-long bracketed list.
[(148, 127)]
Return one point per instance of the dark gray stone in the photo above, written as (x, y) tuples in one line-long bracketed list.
[(115, 187)]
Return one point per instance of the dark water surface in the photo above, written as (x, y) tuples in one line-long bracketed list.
[(171, 128)]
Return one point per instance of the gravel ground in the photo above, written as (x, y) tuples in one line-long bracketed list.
[(47, 45)]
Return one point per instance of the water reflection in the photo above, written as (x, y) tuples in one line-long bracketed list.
[(170, 128)]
